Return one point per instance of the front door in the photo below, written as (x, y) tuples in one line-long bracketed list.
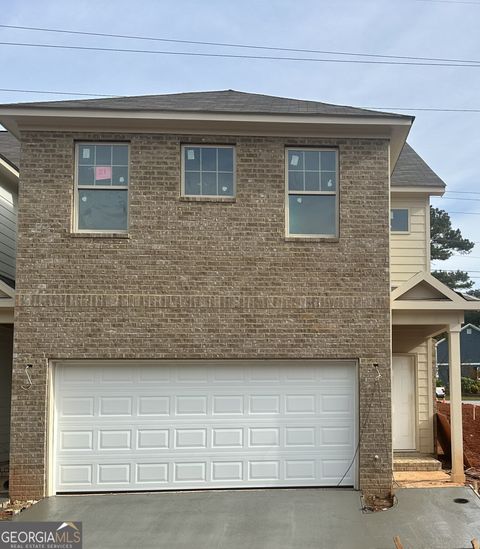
[(403, 403)]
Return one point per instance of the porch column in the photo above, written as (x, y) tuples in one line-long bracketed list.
[(455, 402)]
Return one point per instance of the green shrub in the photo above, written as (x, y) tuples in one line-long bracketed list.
[(470, 386)]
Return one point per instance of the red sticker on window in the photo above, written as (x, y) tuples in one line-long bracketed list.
[(103, 172)]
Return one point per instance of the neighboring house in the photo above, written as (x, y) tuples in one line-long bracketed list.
[(469, 353), (9, 163), (207, 296)]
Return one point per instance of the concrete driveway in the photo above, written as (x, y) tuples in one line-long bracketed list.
[(267, 519)]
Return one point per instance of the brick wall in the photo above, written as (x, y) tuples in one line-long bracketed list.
[(200, 279)]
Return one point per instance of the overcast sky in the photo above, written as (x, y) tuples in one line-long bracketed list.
[(449, 142)]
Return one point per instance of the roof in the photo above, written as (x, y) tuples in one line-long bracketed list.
[(10, 149), (469, 346), (211, 101), (412, 171)]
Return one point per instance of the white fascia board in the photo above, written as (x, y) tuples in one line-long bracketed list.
[(369, 126), (430, 191), (9, 172)]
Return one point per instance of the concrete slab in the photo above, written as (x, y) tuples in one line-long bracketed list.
[(266, 519)]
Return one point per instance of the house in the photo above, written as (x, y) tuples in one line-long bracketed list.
[(469, 353), (186, 267), (9, 162)]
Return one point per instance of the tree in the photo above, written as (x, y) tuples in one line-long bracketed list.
[(445, 241)]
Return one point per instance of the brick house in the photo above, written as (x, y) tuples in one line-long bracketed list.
[(208, 295)]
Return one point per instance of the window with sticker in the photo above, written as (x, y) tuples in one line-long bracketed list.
[(102, 180), (208, 171), (312, 192)]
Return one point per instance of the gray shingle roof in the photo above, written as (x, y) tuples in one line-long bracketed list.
[(469, 346), (10, 148), (212, 101), (412, 171)]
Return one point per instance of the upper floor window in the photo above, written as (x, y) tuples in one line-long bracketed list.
[(101, 178), (399, 220), (312, 192), (208, 170)]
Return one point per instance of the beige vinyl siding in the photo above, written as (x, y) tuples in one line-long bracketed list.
[(409, 252), (8, 230), (424, 399)]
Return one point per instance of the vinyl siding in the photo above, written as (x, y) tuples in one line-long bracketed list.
[(409, 252), (8, 230), (424, 398)]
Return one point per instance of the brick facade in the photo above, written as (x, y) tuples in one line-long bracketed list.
[(200, 279)]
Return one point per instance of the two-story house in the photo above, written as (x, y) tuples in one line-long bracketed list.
[(208, 295)]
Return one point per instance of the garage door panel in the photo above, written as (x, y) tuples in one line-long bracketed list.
[(146, 427)]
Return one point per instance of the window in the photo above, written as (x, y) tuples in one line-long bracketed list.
[(208, 171), (399, 220), (312, 192), (102, 178)]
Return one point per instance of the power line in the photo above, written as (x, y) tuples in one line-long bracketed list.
[(457, 198), (462, 192), (239, 56), (233, 45), (56, 92)]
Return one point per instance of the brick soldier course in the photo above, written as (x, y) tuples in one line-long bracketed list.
[(200, 279)]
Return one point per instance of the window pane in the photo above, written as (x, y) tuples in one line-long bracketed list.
[(192, 158), (312, 215), (399, 220), (86, 175), (102, 210), (103, 155), (103, 175), (295, 160), (295, 181), (328, 181), (120, 155), (120, 175), (312, 181), (192, 183), (225, 184), (86, 154), (312, 160), (209, 159), (225, 160), (328, 161), (209, 183)]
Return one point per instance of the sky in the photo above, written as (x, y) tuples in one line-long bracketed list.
[(449, 142)]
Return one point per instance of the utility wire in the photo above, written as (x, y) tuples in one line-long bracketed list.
[(8, 90), (457, 198), (233, 45), (240, 56)]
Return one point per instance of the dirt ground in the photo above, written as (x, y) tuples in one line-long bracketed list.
[(471, 430)]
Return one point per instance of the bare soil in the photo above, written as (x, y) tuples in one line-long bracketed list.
[(471, 430)]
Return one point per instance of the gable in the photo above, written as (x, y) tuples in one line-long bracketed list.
[(423, 291)]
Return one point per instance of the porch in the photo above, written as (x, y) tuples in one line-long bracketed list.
[(422, 308)]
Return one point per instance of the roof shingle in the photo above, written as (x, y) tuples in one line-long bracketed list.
[(412, 171), (10, 149), (212, 101)]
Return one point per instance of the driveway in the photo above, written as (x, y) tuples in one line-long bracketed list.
[(266, 519)]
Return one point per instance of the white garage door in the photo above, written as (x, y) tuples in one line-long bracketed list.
[(183, 425)]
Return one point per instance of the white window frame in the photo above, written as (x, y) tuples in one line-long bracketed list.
[(335, 193), (125, 188), (203, 146), (393, 231)]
